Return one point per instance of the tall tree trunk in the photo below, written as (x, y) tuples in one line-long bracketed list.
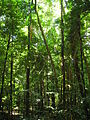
[(75, 39), (45, 42), (48, 97), (27, 90), (49, 54), (82, 72), (11, 83), (41, 91), (81, 51), (3, 73), (62, 52), (11, 75), (77, 71), (87, 68), (53, 100), (35, 4), (28, 63)]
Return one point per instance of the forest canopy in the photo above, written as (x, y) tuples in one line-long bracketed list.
[(44, 59)]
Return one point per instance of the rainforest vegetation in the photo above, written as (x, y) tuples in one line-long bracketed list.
[(44, 60)]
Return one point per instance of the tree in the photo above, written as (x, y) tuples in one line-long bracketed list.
[(62, 52), (44, 59)]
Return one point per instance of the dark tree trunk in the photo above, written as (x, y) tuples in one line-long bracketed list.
[(75, 40), (53, 100), (11, 75), (28, 64), (49, 54), (11, 84), (41, 84), (62, 53), (28, 75), (41, 93), (81, 51), (82, 72), (77, 71), (48, 97), (35, 4), (3, 73), (27, 91), (61, 92), (75, 37), (87, 68)]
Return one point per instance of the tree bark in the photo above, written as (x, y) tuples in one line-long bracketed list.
[(11, 84), (75, 37), (81, 52), (87, 68), (49, 54), (62, 52), (28, 64), (3, 73)]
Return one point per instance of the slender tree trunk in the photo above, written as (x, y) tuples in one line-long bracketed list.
[(32, 1), (61, 92), (35, 4), (3, 73), (81, 51), (48, 98), (71, 94), (62, 53), (11, 75), (74, 39), (68, 89), (41, 91), (77, 71), (11, 84), (49, 54), (53, 100), (87, 68), (27, 92), (28, 64), (45, 42), (82, 72)]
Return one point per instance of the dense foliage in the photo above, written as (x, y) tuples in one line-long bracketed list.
[(45, 59)]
